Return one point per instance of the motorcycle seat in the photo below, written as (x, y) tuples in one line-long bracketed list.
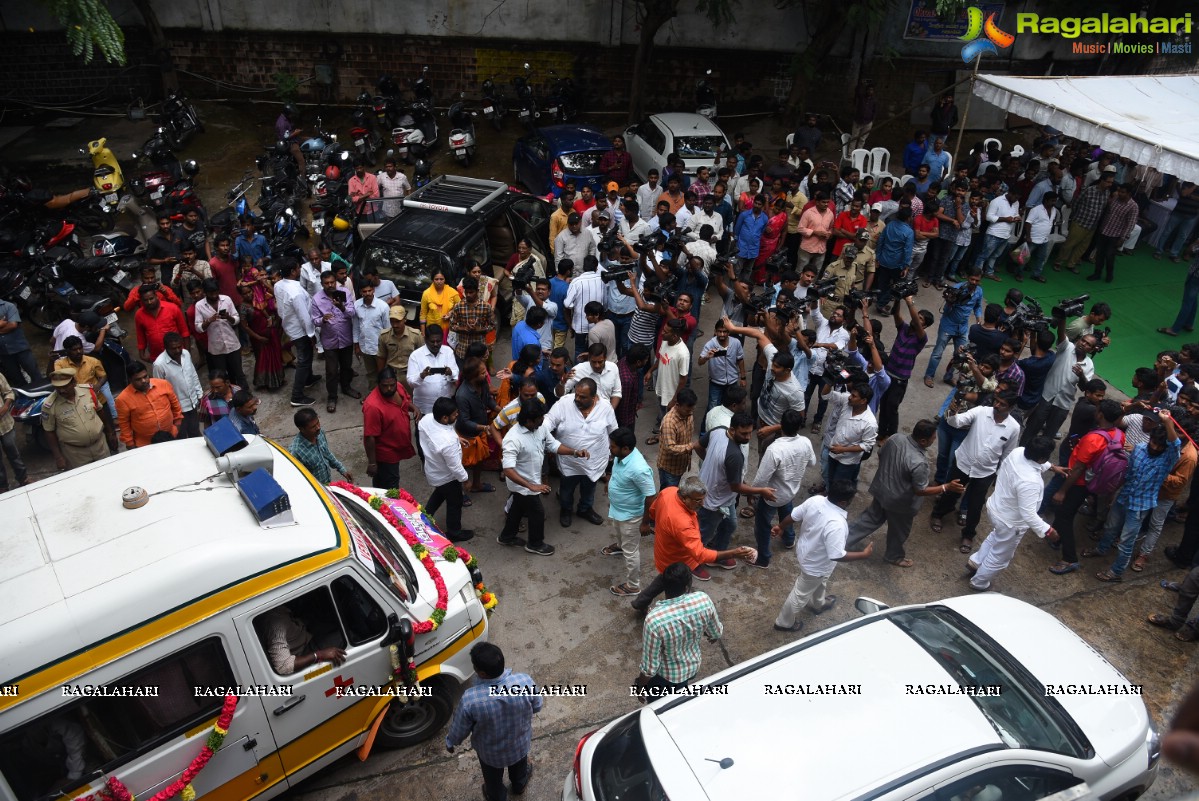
[(35, 390), (91, 264), (82, 303)]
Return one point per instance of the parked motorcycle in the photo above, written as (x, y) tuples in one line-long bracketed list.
[(169, 186), (363, 133), (27, 411), (331, 211), (114, 195), (179, 119), (422, 172), (386, 103), (226, 220), (416, 132), (493, 103), (705, 97), (462, 135), (526, 104), (562, 99)]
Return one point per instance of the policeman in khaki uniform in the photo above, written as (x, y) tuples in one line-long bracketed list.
[(397, 343), (78, 426)]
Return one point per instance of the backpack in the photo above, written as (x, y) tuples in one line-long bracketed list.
[(1106, 473)]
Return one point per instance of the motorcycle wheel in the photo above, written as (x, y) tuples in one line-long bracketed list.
[(46, 312), (497, 122), (37, 437), (465, 160)]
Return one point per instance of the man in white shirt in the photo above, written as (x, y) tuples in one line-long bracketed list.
[(525, 446), (781, 468), (1013, 511), (707, 215), (1071, 366), (854, 434), (723, 474), (310, 272), (994, 433), (648, 194), (682, 217), (372, 317), (585, 288), (820, 544), (574, 243), (583, 424), (632, 227), (291, 304), (442, 463), (175, 365), (597, 368), (432, 371), (668, 372), (392, 184), (216, 316), (1041, 219), (1002, 213), (385, 289)]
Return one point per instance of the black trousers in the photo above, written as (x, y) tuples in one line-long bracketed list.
[(1045, 420), (976, 496), (815, 383), (888, 407), (656, 587), (1063, 520), (302, 348), (1105, 255), (451, 494), (231, 364), (339, 370), (529, 506), (387, 476), (493, 778)]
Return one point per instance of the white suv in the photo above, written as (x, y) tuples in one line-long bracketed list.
[(980, 698)]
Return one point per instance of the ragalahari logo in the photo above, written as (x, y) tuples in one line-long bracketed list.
[(994, 37)]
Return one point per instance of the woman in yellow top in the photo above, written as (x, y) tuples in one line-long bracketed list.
[(436, 302)]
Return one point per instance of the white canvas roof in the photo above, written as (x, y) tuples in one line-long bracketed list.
[(1148, 118)]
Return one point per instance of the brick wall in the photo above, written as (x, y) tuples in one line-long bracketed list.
[(39, 68)]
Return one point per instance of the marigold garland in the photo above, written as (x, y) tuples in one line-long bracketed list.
[(115, 789)]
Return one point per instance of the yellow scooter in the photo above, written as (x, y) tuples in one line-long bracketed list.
[(107, 177)]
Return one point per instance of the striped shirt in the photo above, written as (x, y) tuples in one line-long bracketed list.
[(1121, 218), (584, 289), (1086, 212), (902, 359), (316, 456), (672, 636), (498, 717)]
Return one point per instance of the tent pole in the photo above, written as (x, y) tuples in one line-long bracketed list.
[(966, 112)]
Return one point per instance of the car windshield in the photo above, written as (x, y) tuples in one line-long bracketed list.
[(1019, 715), (695, 147), (620, 768), (410, 268), (584, 162)]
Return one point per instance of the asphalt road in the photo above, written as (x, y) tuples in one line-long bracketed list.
[(556, 619)]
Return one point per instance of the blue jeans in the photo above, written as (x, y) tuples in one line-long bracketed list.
[(1055, 483), (667, 479), (716, 526), (566, 493), (621, 324), (989, 253), (764, 521), (715, 397), (843, 472), (1190, 304), (955, 258), (1179, 227), (944, 335), (1127, 524), (1037, 255), (948, 440)]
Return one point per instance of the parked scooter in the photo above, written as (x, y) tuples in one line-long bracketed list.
[(462, 134), (386, 103), (422, 173), (526, 104), (113, 193), (27, 411), (493, 103), (169, 185), (705, 97), (363, 132), (179, 119), (416, 131), (226, 220)]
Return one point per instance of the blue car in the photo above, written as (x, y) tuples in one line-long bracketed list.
[(549, 157)]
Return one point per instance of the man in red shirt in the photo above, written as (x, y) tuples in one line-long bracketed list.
[(224, 267), (677, 538), (586, 201), (925, 228), (387, 430), (1074, 489), (847, 225), (153, 320), (617, 164)]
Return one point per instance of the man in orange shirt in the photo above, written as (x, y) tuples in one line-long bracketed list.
[(677, 538), (146, 407)]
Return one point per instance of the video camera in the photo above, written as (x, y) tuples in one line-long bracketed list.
[(853, 299), (962, 357), (1099, 336), (1070, 307), (957, 295), (647, 242), (658, 290), (609, 240), (1027, 317), (841, 372), (608, 276), (523, 275), (824, 288), (906, 288)]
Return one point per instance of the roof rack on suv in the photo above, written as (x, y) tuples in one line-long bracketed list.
[(455, 194)]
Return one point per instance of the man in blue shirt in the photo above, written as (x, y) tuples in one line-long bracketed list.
[(631, 490), (913, 154), (528, 330), (937, 160), (961, 300), (251, 244), (748, 230), (497, 713), (893, 254), (15, 353), (559, 286)]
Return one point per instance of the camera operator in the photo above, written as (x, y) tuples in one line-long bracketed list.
[(975, 384), (831, 335), (894, 254), (1071, 366), (1009, 371), (1100, 313), (540, 297), (864, 352), (1035, 367), (781, 390), (987, 335), (910, 339), (961, 299), (734, 290), (704, 247)]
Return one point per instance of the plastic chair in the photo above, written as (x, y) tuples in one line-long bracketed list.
[(860, 159), (790, 139), (1017, 151), (845, 146), (987, 144), (1062, 228), (903, 179), (880, 160)]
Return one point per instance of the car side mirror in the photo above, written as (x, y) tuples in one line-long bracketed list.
[(400, 633), (869, 606)]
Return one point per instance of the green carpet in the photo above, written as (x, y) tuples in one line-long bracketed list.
[(1144, 296)]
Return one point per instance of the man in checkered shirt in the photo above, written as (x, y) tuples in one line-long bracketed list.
[(497, 712), (670, 655)]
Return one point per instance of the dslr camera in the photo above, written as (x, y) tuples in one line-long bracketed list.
[(960, 359), (854, 297), (1070, 307), (906, 288)]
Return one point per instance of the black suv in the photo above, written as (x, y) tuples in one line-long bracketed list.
[(447, 224)]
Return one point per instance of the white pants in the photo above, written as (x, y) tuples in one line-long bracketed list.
[(994, 554), (809, 592), (628, 534)]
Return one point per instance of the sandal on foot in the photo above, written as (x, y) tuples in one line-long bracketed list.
[(1186, 634), (624, 589), (829, 603), (1062, 568), (484, 488), (1138, 564), (961, 520), (1163, 622), (651, 440), (900, 562), (466, 501), (1171, 586), (1089, 553), (966, 547), (935, 524), (746, 513), (1108, 576), (610, 550)]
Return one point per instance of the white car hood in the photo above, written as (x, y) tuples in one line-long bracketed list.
[(1115, 723)]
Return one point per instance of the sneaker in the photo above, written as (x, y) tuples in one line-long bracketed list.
[(815, 428), (761, 564), (544, 549), (512, 543), (462, 536), (303, 400), (700, 574), (314, 380), (724, 564)]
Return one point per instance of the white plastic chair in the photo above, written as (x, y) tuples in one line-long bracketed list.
[(1059, 232), (860, 159), (790, 139), (903, 179), (880, 160), (845, 146), (1017, 151), (987, 144)]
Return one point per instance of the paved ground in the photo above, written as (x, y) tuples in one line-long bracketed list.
[(558, 622)]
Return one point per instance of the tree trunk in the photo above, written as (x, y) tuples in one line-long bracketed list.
[(160, 46), (655, 17), (828, 30)]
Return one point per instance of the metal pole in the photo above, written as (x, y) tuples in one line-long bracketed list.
[(966, 112)]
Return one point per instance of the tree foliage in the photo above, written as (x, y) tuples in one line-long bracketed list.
[(89, 28)]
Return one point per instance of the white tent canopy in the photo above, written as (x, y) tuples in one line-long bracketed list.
[(1151, 119)]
